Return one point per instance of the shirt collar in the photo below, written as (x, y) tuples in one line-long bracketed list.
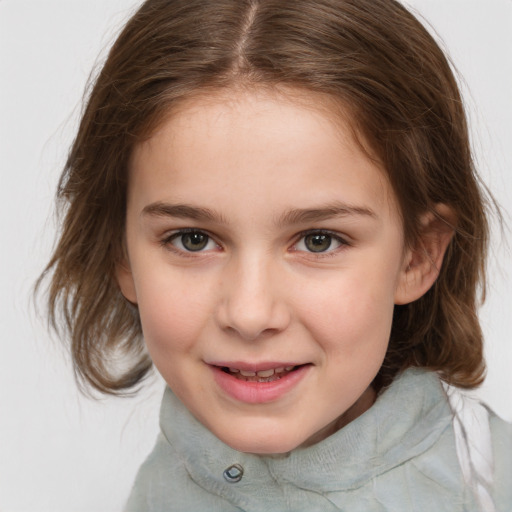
[(406, 420)]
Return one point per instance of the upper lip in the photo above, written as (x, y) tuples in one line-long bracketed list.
[(254, 367)]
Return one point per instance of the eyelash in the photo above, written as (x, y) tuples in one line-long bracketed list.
[(343, 243), (167, 241)]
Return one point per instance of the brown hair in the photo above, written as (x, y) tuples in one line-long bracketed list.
[(374, 58)]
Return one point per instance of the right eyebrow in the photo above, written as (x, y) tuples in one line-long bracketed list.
[(182, 211)]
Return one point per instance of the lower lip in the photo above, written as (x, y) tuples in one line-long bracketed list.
[(258, 392)]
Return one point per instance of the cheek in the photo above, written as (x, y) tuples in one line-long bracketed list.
[(352, 314), (172, 314)]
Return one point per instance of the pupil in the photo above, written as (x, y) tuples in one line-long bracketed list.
[(194, 241), (318, 243)]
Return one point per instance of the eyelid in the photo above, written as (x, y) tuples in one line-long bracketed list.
[(343, 241), (167, 239)]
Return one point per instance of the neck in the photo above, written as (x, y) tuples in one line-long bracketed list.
[(363, 403)]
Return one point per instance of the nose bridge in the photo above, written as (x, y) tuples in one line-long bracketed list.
[(253, 303)]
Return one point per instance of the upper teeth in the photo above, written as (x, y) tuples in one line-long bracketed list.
[(262, 373)]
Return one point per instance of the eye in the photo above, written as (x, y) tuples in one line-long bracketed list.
[(319, 242), (190, 241)]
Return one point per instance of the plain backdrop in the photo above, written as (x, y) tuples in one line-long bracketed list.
[(60, 452)]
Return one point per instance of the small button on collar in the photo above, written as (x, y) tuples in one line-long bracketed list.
[(234, 473)]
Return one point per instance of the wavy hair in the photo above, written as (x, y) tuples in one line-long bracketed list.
[(371, 56)]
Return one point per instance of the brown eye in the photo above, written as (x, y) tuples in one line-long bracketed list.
[(317, 242)]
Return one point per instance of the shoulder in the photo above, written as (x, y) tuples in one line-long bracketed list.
[(501, 432), (163, 483), (160, 470), (502, 438), (484, 449)]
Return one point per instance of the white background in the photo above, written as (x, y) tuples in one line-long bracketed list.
[(60, 452)]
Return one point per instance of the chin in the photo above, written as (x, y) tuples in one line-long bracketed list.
[(259, 444)]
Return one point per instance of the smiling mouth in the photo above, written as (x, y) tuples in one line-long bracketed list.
[(270, 375)]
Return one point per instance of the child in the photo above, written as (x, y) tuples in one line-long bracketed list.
[(274, 202)]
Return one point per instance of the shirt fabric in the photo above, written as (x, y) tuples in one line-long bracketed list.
[(398, 456)]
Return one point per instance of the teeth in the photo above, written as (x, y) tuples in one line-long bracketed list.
[(265, 373), (261, 373)]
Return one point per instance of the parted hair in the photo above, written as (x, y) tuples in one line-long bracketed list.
[(374, 58)]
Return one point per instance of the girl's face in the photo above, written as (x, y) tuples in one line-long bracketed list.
[(265, 253)]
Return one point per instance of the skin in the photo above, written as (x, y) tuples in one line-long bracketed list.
[(255, 170)]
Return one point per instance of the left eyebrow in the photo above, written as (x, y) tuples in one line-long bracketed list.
[(305, 215)]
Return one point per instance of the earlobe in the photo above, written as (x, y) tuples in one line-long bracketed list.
[(422, 262), (125, 281)]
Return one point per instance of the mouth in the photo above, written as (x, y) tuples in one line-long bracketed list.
[(258, 383), (270, 375)]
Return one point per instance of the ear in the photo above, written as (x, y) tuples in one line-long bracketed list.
[(422, 263), (125, 280)]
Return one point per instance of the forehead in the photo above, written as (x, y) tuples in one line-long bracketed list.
[(266, 142)]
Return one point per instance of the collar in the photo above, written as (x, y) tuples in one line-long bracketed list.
[(405, 421)]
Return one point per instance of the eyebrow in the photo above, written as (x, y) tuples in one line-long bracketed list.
[(333, 210), (182, 211), (290, 217)]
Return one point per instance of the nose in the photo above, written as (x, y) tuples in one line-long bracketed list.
[(252, 299)]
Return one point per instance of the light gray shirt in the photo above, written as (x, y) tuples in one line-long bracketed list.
[(398, 456)]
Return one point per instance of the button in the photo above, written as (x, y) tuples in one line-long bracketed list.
[(234, 473)]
